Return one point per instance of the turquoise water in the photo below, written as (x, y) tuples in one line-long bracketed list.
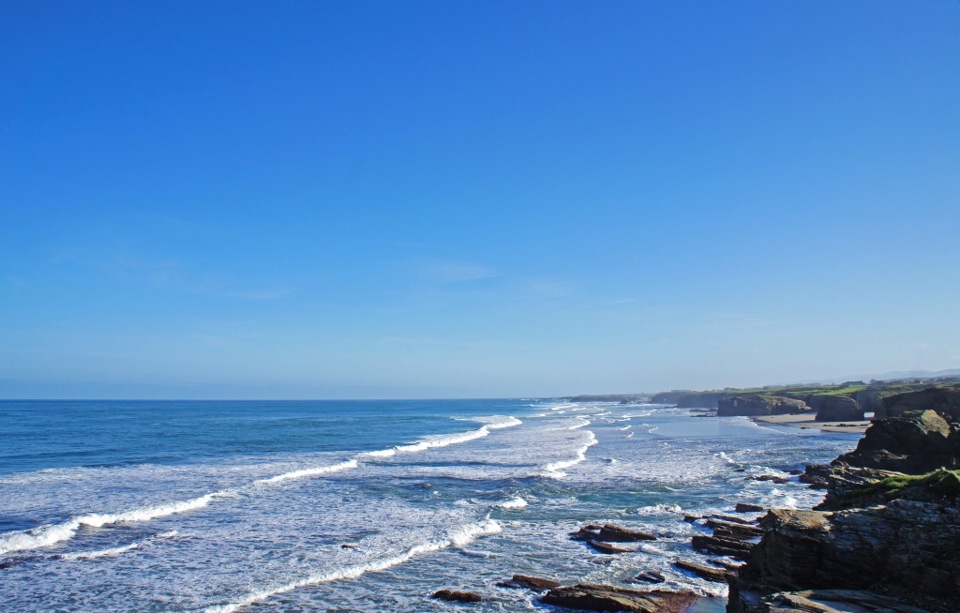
[(361, 505)]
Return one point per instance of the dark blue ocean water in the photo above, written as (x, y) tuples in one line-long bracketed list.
[(361, 505)]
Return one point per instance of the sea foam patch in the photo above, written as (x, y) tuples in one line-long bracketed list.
[(456, 537)]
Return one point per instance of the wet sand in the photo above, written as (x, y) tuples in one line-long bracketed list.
[(808, 421)]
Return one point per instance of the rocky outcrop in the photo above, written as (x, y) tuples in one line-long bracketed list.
[(587, 597), (943, 400), (710, 573), (903, 548), (457, 596), (914, 444), (828, 601), (537, 584), (701, 400), (737, 549), (871, 401), (620, 398), (755, 405), (649, 576), (669, 397), (606, 548), (611, 533), (887, 536), (839, 408)]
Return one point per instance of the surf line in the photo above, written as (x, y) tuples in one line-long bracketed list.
[(458, 537), (554, 470), (64, 531), (67, 530), (443, 440)]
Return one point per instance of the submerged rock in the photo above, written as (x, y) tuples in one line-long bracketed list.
[(587, 597)]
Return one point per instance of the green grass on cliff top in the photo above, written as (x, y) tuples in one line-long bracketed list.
[(941, 482)]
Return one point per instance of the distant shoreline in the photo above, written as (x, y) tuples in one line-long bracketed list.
[(808, 421)]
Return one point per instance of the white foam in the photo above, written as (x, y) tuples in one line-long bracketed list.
[(513, 503), (115, 551), (310, 472), (382, 453), (723, 456), (659, 509), (64, 531), (458, 537), (554, 470), (496, 422), (583, 423), (92, 555)]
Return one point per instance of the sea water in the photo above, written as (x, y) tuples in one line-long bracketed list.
[(364, 506)]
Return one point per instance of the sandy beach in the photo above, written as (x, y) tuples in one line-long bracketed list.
[(809, 421)]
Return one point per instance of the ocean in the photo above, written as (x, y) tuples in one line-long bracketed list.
[(362, 506)]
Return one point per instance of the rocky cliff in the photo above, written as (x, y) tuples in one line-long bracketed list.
[(701, 400), (887, 537), (943, 400), (754, 405), (839, 408)]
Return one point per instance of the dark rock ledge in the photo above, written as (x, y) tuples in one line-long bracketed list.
[(587, 597), (887, 536)]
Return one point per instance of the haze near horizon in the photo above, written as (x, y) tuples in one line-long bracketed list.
[(427, 199)]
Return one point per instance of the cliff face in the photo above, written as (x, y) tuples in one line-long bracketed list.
[(839, 408), (751, 406), (945, 401), (700, 400), (891, 541), (669, 397), (903, 549)]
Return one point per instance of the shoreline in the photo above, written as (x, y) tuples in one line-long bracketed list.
[(808, 421)]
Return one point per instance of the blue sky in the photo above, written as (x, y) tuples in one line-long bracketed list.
[(442, 199)]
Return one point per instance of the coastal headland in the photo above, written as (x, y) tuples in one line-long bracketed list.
[(885, 538)]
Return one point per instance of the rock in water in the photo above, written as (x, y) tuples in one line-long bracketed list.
[(612, 533), (587, 597), (718, 575), (650, 576), (457, 596), (538, 584), (606, 547)]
